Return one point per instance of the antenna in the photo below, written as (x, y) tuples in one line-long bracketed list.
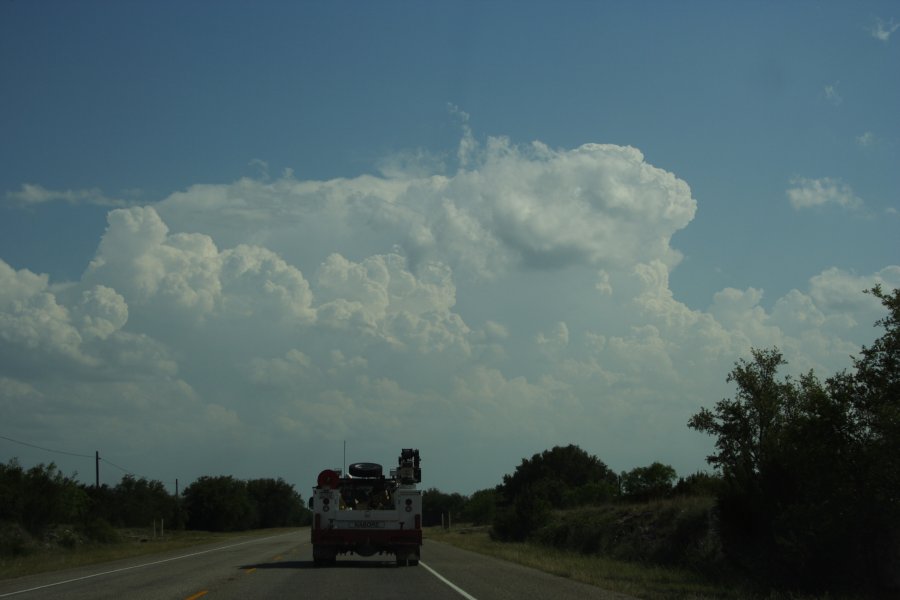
[(344, 466)]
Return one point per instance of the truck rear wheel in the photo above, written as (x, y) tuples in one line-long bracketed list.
[(323, 556), (408, 560)]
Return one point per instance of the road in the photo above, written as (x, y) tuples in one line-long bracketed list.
[(280, 566)]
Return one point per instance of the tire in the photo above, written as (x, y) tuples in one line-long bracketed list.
[(322, 557), (408, 560), (365, 470)]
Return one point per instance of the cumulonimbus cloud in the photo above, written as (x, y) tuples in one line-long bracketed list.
[(516, 206), (523, 299)]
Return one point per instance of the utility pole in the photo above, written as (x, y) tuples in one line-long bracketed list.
[(97, 468)]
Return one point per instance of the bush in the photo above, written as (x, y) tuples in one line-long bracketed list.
[(99, 530), (14, 540), (678, 532)]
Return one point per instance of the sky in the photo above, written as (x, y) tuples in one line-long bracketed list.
[(236, 236)]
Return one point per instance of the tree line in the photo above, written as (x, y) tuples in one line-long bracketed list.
[(34, 501), (557, 479)]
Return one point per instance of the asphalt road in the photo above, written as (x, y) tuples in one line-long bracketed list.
[(281, 567)]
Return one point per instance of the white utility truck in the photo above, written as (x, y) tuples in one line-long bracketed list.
[(367, 513)]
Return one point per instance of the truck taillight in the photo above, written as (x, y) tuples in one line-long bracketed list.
[(418, 521)]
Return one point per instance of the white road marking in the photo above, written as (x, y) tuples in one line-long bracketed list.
[(454, 587), (149, 564)]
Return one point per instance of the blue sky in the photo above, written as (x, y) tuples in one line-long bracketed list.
[(492, 226)]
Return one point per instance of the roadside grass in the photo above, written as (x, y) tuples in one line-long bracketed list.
[(132, 543), (635, 579)]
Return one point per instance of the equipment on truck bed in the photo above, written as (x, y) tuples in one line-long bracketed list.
[(367, 513)]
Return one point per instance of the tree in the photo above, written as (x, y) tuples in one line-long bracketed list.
[(561, 477), (873, 394), (647, 483), (219, 504), (810, 490), (276, 503), (562, 470), (698, 484), (437, 506), (480, 507), (139, 502), (746, 427), (40, 497)]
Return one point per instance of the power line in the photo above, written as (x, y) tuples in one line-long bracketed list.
[(96, 457), (45, 449), (123, 469)]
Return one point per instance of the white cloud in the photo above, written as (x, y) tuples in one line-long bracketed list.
[(883, 30), (556, 341), (866, 139), (531, 206), (832, 94), (838, 291), (101, 312), (381, 298), (33, 194), (32, 322), (809, 193), (525, 299), (184, 275)]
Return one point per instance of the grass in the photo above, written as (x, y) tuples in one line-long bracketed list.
[(132, 543), (635, 579)]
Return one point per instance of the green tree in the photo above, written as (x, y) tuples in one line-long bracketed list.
[(647, 483), (276, 503), (561, 477), (12, 492), (698, 484), (480, 507), (139, 502), (872, 393), (810, 491), (437, 506), (51, 498), (219, 504), (562, 470)]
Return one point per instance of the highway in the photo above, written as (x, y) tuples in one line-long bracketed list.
[(280, 566)]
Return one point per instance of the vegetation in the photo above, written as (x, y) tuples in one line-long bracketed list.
[(677, 532), (439, 508), (811, 469), (648, 483), (637, 579), (41, 507), (557, 478)]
